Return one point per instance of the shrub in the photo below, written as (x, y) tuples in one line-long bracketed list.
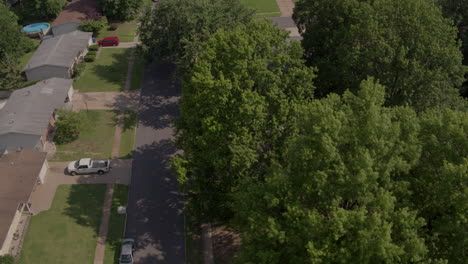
[(68, 126), (93, 26), (89, 58), (91, 52), (93, 47), (7, 259), (113, 26), (78, 69)]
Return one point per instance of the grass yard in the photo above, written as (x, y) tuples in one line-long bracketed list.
[(137, 74), (262, 6), (128, 135), (125, 32), (67, 232), (26, 57), (106, 74), (95, 140), (116, 225)]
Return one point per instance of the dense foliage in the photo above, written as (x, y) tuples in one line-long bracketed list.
[(456, 10), (174, 29), (13, 43), (68, 126), (406, 44), (120, 9), (94, 26), (31, 10), (10, 74), (7, 259), (238, 106), (362, 183)]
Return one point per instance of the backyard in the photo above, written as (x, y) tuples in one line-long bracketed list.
[(125, 31), (26, 57), (95, 140), (67, 232), (116, 225), (262, 6), (107, 73)]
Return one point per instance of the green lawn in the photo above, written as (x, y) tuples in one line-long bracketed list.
[(128, 135), (106, 74), (67, 232), (137, 74), (26, 57), (116, 225), (262, 6), (125, 32), (95, 140)]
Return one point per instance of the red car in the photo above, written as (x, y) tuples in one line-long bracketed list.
[(109, 41)]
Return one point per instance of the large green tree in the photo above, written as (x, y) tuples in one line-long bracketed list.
[(120, 9), (406, 44), (13, 43), (10, 74), (456, 10), (238, 106), (174, 29), (334, 200), (439, 183)]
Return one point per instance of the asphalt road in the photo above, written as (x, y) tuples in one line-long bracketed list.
[(155, 208)]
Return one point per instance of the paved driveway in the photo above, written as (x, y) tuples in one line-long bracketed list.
[(41, 198), (155, 210)]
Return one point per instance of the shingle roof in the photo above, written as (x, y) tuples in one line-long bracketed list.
[(18, 175), (28, 110), (60, 51)]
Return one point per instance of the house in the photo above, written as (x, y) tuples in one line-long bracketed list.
[(29, 114), (56, 56), (20, 171)]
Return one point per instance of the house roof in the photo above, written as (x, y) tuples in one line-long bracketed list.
[(76, 11), (60, 51), (28, 110), (18, 175), (15, 141)]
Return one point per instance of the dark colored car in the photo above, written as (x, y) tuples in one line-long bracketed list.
[(109, 41)]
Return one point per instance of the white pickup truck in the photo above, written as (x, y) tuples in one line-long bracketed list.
[(88, 166)]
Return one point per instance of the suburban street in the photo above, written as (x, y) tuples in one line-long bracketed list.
[(155, 208)]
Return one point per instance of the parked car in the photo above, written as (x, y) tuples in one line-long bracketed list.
[(126, 253), (88, 166), (109, 41)]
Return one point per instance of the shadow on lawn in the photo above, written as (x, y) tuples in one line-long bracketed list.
[(85, 203), (116, 73)]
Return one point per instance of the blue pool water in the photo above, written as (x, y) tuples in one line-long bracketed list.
[(37, 27)]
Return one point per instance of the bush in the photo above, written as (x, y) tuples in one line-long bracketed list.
[(7, 259), (78, 69), (93, 47), (89, 58), (93, 26), (68, 126), (113, 26), (91, 52)]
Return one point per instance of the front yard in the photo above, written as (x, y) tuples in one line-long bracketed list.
[(128, 135), (116, 225), (125, 31), (107, 73), (95, 140), (67, 232)]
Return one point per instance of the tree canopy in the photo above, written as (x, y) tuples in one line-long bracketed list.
[(238, 105), (457, 10), (363, 183), (120, 9), (174, 29), (406, 44), (13, 43)]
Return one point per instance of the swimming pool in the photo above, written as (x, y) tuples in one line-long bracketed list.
[(36, 28)]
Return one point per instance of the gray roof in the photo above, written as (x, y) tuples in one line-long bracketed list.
[(28, 110), (14, 141), (60, 51)]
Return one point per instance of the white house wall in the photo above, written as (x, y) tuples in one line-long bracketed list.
[(43, 172)]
